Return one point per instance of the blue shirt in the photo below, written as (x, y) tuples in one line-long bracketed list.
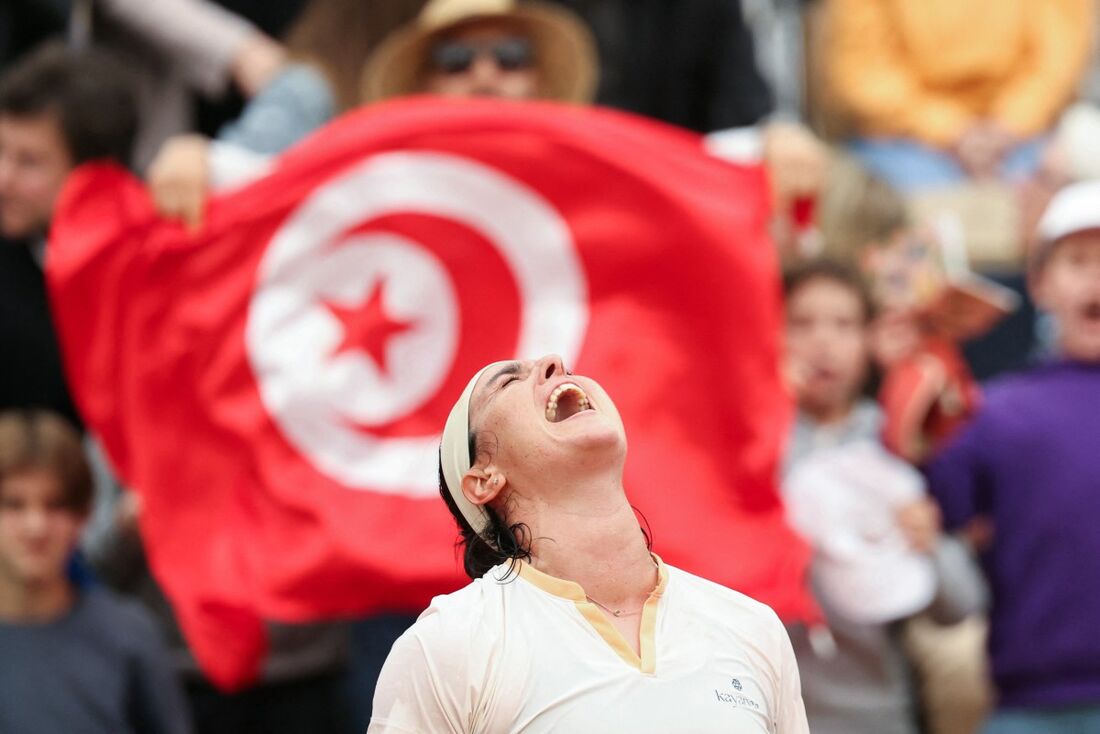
[(294, 104), (1030, 462), (99, 669)]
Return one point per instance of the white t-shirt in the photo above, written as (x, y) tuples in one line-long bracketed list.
[(529, 653)]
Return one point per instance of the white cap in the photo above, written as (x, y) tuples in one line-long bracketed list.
[(1076, 208)]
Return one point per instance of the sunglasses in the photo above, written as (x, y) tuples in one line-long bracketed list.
[(509, 54)]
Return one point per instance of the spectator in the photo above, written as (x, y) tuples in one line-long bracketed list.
[(502, 48), (302, 680), (946, 90), (925, 392), (859, 214), (690, 64), (74, 659), (693, 64), (548, 54), (1023, 473), (927, 389), (879, 554), (58, 108), (554, 58), (175, 48), (327, 47)]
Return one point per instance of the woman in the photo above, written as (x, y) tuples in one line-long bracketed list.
[(571, 624)]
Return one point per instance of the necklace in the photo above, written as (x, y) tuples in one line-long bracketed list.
[(613, 612), (623, 612)]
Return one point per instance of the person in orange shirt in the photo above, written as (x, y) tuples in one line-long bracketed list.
[(944, 90)]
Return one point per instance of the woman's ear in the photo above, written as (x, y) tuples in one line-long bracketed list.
[(483, 485)]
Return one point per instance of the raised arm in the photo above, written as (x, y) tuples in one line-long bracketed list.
[(207, 43)]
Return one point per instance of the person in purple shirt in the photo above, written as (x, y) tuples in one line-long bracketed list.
[(1026, 473)]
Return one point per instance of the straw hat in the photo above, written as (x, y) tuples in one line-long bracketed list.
[(564, 49)]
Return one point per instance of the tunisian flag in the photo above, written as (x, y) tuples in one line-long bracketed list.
[(274, 385)]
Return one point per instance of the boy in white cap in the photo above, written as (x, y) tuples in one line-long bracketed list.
[(1028, 467)]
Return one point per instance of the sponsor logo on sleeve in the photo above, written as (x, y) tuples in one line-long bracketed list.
[(733, 694)]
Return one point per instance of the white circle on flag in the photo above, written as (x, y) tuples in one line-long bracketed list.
[(322, 396), (417, 291)]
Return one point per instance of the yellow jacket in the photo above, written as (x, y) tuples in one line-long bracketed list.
[(927, 69)]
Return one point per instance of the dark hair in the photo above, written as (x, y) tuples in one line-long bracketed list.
[(832, 270), (498, 543), (86, 90), (37, 439)]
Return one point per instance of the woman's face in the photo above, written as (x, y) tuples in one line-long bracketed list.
[(535, 421)]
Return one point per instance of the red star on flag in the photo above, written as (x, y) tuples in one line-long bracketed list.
[(368, 327)]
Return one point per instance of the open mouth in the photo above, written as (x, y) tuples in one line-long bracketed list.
[(565, 402)]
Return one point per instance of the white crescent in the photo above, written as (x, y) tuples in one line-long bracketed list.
[(316, 399)]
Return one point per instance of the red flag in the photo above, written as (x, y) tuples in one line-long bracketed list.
[(274, 385)]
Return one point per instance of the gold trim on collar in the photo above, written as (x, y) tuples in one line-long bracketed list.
[(571, 591)]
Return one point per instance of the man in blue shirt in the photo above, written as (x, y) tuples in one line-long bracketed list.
[(74, 660)]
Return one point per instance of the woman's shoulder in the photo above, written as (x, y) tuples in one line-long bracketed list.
[(458, 631), (478, 604), (732, 621), (711, 599)]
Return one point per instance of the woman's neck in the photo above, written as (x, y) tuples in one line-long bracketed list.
[(594, 540)]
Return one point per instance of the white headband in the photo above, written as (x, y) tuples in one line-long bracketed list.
[(454, 454)]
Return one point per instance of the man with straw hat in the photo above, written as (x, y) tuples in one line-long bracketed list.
[(506, 48), (456, 48)]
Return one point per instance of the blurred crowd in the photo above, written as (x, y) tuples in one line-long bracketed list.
[(935, 171)]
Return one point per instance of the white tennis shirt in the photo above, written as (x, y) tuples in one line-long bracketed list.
[(529, 653)]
